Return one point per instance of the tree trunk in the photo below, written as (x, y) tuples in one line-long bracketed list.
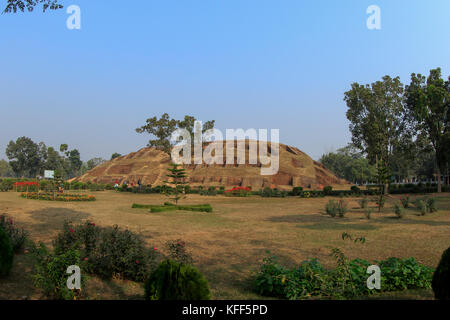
[(439, 190)]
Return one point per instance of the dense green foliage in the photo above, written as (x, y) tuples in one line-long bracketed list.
[(163, 128), (17, 235), (50, 271), (441, 277), (347, 280), (428, 101), (348, 164), (6, 253), (109, 251), (176, 281)]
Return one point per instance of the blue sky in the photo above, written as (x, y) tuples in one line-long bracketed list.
[(245, 63)]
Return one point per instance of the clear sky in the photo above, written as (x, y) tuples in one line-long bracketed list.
[(245, 63)]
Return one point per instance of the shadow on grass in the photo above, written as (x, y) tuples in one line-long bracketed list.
[(411, 221), (52, 219), (300, 218), (338, 226)]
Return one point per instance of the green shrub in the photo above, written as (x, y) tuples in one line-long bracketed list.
[(18, 236), (109, 251), (402, 274), (405, 201), (441, 278), (50, 271), (6, 253), (430, 204), (398, 209), (176, 281), (327, 190), (363, 203), (347, 280), (342, 208), (355, 190), (296, 191), (331, 208), (368, 212), (421, 205)]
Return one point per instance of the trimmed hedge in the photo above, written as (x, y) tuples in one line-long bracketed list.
[(57, 196), (199, 208)]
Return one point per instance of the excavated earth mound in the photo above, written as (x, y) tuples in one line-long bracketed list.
[(150, 165)]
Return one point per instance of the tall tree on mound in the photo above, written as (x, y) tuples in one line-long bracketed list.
[(428, 101), (178, 178), (163, 128)]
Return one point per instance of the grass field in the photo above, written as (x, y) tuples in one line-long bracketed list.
[(229, 243)]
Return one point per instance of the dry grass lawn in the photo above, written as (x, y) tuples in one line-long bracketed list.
[(228, 244)]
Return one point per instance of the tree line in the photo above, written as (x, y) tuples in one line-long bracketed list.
[(406, 128), (29, 160)]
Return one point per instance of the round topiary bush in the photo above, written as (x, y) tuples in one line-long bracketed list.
[(6, 253), (176, 281), (441, 278)]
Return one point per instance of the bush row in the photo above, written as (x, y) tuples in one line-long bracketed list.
[(347, 280)]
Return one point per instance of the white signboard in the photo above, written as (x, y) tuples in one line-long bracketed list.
[(49, 174)]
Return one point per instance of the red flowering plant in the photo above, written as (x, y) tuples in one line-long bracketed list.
[(238, 191), (22, 186)]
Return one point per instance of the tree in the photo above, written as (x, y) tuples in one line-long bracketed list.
[(428, 102), (25, 157), (75, 162), (5, 169), (376, 115), (163, 128), (92, 163), (349, 164), (54, 161), (177, 177), (115, 155), (29, 5)]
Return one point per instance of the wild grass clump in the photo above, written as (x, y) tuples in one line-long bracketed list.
[(405, 201), (363, 203), (421, 206), (368, 212), (334, 208), (398, 209)]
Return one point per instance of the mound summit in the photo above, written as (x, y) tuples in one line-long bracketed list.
[(150, 165)]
